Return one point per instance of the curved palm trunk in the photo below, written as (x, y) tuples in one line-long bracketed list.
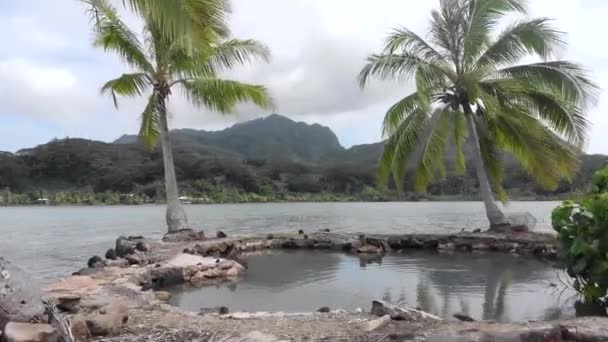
[(495, 216), (176, 215)]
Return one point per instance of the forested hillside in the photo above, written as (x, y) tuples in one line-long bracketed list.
[(267, 159)]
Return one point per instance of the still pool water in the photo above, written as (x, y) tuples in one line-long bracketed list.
[(53, 241), (489, 286)]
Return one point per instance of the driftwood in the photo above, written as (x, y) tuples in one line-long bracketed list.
[(60, 322), (381, 308), (20, 296)]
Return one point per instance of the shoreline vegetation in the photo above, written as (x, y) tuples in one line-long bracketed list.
[(234, 196)]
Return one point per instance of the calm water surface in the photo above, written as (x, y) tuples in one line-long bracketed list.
[(491, 286), (53, 241)]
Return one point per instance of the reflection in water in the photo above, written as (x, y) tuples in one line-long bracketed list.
[(498, 287)]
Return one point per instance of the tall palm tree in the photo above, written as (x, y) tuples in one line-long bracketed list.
[(469, 83), (162, 65)]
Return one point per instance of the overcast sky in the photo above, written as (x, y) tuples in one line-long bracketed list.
[(50, 75)]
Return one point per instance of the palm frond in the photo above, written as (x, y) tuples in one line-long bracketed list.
[(224, 95), (548, 105), (404, 40), (126, 85), (522, 39), (447, 30), (566, 77), (399, 67), (400, 111), (112, 34), (235, 52), (545, 156), (399, 147), (185, 19), (150, 122), (431, 149), (482, 17), (208, 61)]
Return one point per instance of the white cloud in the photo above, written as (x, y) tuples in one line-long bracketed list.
[(48, 68), (45, 91)]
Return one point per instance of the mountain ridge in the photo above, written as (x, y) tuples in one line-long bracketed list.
[(272, 156), (263, 138)]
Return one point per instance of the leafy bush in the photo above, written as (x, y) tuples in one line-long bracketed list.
[(582, 228)]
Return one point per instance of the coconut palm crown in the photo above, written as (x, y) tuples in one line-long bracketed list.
[(163, 64), (501, 91)]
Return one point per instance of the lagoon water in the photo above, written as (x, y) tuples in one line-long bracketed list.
[(54, 241), (490, 286)]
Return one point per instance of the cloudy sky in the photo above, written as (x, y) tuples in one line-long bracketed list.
[(50, 75)]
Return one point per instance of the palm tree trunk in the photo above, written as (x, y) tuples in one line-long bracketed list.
[(176, 215), (495, 216)]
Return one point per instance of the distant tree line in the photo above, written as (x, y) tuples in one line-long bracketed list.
[(79, 171)]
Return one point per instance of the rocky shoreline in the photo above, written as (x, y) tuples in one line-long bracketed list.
[(122, 297)]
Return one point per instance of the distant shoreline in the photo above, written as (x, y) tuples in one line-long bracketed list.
[(295, 201)]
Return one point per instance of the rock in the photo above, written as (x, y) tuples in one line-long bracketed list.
[(326, 230), (74, 285), (189, 251), (27, 332), (68, 303), (269, 237), (87, 271), (481, 247), (520, 229), (377, 324), (300, 232), (137, 258), (221, 235), (80, 330), (225, 265), (109, 321), (477, 231), (463, 318), (95, 262), (370, 249), (324, 309), (111, 254), (255, 336), (117, 263), (166, 277), (381, 308), (125, 246), (231, 273), (20, 296), (448, 246), (184, 235), (211, 273), (222, 310), (184, 260), (162, 295), (142, 246)]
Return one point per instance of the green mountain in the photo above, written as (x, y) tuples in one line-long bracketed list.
[(264, 138), (273, 157)]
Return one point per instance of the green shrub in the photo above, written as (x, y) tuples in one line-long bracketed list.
[(582, 228)]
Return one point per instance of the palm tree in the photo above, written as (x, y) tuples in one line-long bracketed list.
[(469, 83), (162, 65)]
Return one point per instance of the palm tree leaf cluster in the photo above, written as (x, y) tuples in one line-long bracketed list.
[(469, 76), (161, 63)]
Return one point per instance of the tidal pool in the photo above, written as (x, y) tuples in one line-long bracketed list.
[(492, 286)]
